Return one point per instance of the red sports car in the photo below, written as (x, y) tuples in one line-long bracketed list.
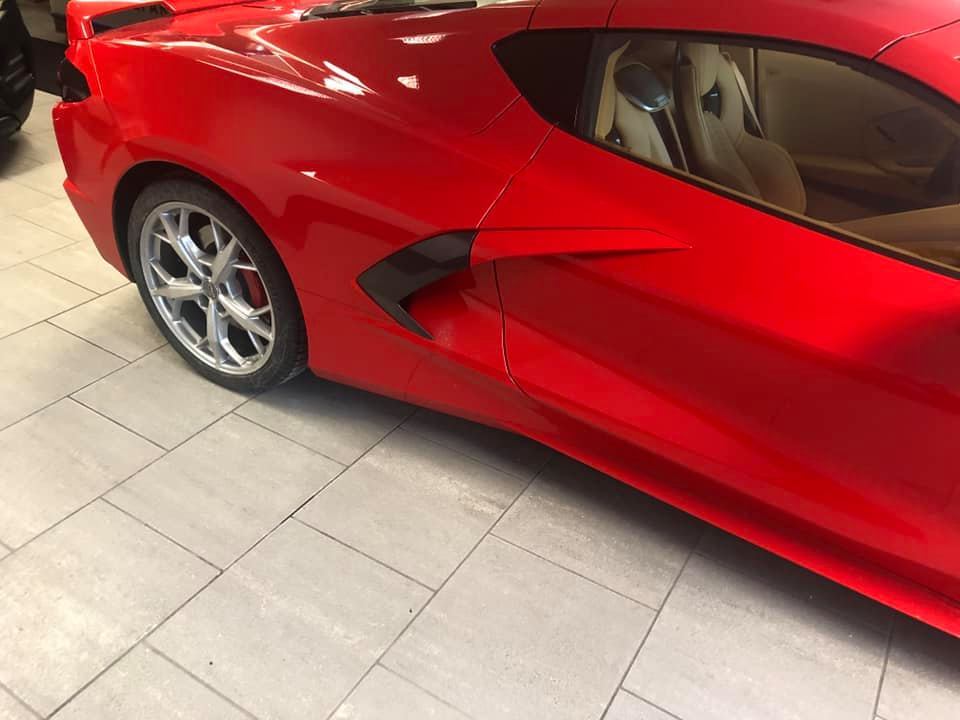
[(712, 249)]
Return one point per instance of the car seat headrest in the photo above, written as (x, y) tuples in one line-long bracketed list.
[(641, 87), (706, 59)]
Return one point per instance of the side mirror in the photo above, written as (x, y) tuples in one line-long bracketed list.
[(642, 88)]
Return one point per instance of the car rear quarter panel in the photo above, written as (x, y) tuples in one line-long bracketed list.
[(340, 162)]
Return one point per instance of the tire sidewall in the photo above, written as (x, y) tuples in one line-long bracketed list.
[(288, 355)]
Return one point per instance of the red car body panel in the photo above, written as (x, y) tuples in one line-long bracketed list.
[(794, 389)]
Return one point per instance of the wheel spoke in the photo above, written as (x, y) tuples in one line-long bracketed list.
[(201, 295), (214, 338), (246, 317), (224, 264), (256, 342), (217, 235), (179, 239)]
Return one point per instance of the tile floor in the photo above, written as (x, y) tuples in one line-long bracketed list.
[(174, 550)]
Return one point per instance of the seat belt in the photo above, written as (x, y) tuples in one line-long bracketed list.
[(745, 94)]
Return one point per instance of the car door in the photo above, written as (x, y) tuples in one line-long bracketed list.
[(775, 364)]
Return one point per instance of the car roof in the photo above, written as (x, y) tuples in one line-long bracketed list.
[(861, 27)]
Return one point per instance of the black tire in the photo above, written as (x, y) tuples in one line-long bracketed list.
[(288, 357)]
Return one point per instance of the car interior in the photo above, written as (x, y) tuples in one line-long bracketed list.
[(810, 135)]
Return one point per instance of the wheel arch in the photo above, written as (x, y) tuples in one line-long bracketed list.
[(143, 174), (136, 179)]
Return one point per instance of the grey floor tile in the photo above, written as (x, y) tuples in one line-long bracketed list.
[(39, 146), (14, 162), (806, 585), (146, 686), (290, 628), (382, 695), (59, 216), (81, 263), (21, 240), (414, 505), (117, 322), (161, 397), (923, 675), (603, 529), (15, 197), (40, 119), (80, 595), (512, 636), (58, 460), (11, 709), (225, 488), (728, 646), (42, 364), (29, 294), (46, 178), (338, 421), (505, 451), (627, 707)]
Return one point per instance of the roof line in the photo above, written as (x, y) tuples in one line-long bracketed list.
[(909, 36)]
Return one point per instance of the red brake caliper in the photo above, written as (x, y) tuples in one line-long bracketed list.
[(258, 294)]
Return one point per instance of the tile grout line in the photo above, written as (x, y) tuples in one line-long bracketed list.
[(70, 394), (98, 293), (50, 322), (284, 437), (883, 669), (381, 563), (147, 644), (50, 229), (643, 699), (653, 622), (120, 425), (44, 270), (52, 315), (130, 649), (163, 454), (20, 701), (147, 525), (52, 197), (413, 619), (423, 690), (572, 572), (216, 576)]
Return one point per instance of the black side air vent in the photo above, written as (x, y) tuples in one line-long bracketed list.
[(129, 16), (348, 8), (395, 278)]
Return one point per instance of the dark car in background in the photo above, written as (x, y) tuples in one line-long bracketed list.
[(16, 69)]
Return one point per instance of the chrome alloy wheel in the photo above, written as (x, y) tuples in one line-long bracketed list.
[(206, 288)]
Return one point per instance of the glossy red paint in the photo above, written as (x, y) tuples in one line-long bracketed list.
[(790, 387), (859, 27), (931, 56), (552, 14)]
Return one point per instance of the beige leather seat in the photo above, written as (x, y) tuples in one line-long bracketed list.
[(635, 128), (719, 146)]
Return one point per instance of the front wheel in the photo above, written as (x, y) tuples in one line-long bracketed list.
[(215, 286)]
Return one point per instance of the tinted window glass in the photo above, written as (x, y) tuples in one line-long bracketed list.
[(818, 137), (550, 69)]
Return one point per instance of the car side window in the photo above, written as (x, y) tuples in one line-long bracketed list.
[(821, 138)]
